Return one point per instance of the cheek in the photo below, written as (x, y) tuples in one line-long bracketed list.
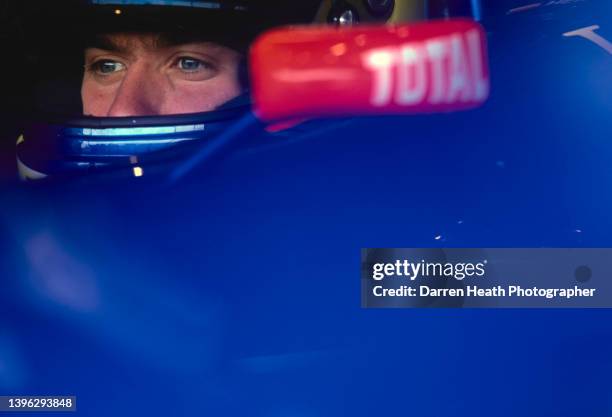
[(96, 100), (194, 97)]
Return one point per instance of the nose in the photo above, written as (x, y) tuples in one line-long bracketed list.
[(140, 93)]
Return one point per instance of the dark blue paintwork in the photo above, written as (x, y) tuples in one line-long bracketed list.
[(236, 290)]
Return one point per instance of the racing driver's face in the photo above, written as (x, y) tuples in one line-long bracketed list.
[(130, 74)]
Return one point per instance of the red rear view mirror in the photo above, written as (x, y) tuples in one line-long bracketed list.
[(311, 72)]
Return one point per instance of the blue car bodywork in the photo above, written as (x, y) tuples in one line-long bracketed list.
[(235, 291)]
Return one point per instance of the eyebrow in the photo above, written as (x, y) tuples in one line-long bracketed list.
[(162, 40), (106, 43)]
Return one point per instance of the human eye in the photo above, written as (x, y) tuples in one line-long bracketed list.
[(190, 64), (194, 69), (106, 67)]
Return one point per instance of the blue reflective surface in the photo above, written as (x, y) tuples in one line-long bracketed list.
[(236, 291)]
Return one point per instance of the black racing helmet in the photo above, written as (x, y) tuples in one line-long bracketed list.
[(59, 140)]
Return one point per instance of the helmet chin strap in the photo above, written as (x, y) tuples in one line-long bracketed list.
[(214, 147)]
